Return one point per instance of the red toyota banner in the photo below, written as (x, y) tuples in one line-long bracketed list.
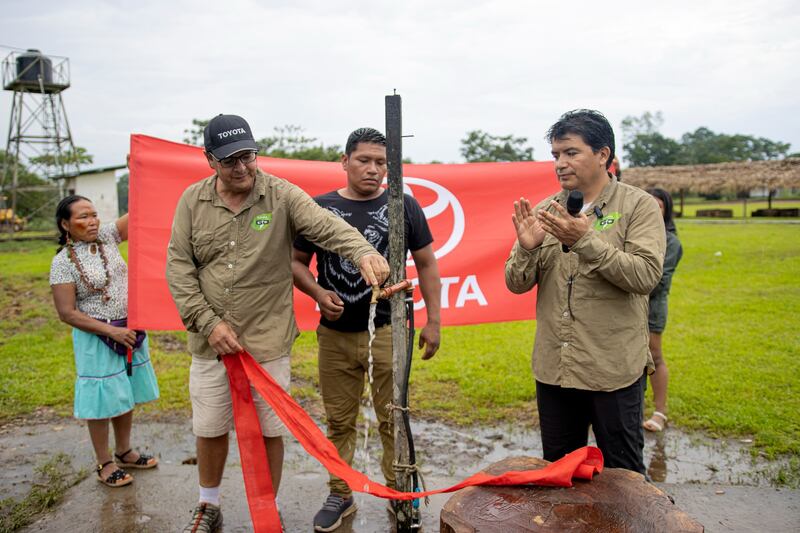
[(468, 207)]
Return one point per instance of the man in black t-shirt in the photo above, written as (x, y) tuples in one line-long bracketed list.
[(343, 299)]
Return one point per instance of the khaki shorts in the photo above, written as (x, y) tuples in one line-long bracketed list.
[(212, 407)]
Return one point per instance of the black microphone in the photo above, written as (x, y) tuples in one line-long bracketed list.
[(574, 206)]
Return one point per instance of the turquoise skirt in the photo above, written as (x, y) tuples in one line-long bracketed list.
[(103, 389)]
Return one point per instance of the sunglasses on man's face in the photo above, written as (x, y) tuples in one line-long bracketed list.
[(230, 162)]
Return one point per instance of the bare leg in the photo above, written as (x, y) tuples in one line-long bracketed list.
[(211, 455), (98, 432), (660, 378), (122, 435), (275, 459)]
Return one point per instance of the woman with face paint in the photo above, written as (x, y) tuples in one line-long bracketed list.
[(89, 280)]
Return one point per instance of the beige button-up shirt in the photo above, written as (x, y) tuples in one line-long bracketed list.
[(236, 267), (591, 305)]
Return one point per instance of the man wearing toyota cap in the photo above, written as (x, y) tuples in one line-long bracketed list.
[(229, 272)]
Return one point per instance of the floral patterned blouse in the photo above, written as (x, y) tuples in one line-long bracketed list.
[(62, 270)]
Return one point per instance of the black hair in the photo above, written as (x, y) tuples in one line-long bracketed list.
[(591, 125), (64, 212), (363, 135), (665, 197)]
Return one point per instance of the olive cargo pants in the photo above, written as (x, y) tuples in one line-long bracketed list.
[(343, 368)]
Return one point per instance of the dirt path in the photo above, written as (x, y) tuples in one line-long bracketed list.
[(714, 481)]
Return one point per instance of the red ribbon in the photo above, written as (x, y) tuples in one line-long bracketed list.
[(253, 453), (244, 371)]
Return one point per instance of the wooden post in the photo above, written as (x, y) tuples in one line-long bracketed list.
[(397, 264), (744, 212)]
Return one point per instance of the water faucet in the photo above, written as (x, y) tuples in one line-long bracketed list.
[(380, 294)]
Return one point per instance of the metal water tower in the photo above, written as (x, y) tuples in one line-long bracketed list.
[(38, 131)]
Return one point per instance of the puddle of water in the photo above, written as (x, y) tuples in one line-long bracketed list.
[(671, 456), (23, 448), (446, 455)]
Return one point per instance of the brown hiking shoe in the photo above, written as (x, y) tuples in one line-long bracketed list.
[(207, 518)]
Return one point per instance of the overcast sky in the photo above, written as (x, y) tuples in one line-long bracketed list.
[(504, 67)]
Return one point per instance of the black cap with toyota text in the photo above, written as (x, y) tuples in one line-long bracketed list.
[(227, 134)]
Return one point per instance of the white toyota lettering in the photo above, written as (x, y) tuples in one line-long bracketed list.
[(468, 290), (228, 133)]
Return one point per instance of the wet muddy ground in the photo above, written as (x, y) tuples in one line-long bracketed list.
[(716, 481)]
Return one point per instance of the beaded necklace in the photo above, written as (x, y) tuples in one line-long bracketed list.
[(103, 289)]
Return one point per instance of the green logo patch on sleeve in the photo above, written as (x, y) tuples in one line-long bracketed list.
[(602, 224), (260, 222)]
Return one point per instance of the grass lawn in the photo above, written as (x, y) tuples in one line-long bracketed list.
[(732, 344)]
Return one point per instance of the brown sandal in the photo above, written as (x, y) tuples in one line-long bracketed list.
[(117, 478), (144, 461)]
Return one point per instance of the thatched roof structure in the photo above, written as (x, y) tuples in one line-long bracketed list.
[(719, 177)]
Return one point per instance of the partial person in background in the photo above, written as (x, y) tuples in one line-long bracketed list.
[(617, 169), (89, 280), (657, 318)]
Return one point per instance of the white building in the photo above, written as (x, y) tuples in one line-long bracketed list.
[(100, 186)]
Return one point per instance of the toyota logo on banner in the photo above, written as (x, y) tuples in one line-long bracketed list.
[(445, 200)]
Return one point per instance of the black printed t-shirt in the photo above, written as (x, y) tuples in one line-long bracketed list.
[(335, 273)]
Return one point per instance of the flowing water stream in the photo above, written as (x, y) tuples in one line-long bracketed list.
[(368, 411)]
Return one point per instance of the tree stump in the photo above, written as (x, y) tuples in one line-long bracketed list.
[(616, 500)]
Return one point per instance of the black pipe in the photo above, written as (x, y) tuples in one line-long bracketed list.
[(412, 456)]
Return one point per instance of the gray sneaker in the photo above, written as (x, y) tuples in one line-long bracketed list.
[(333, 510), (207, 518)]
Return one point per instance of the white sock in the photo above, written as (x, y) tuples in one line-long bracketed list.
[(209, 495)]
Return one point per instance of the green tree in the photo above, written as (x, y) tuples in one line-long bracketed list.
[(194, 134), (652, 150), (56, 164), (34, 194), (705, 146), (122, 193), (289, 142), (644, 145), (480, 146), (647, 124)]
